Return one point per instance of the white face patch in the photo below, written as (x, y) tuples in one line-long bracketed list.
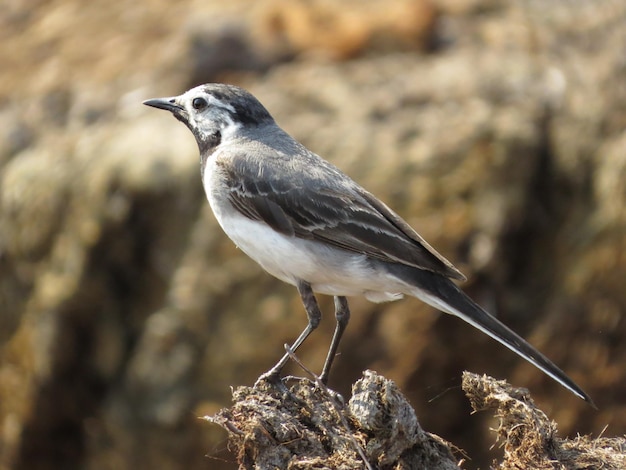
[(230, 128), (218, 115), (198, 92)]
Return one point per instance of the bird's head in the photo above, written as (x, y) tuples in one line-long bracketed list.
[(215, 112)]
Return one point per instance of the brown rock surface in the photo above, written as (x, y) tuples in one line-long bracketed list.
[(530, 439), (304, 425), (301, 424), (125, 313)]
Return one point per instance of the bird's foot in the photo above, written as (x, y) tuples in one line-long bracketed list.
[(271, 378)]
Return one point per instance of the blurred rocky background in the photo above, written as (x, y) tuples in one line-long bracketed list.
[(497, 129)]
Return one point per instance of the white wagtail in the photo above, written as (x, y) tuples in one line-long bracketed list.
[(310, 225)]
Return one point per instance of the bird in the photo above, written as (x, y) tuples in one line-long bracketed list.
[(310, 225)]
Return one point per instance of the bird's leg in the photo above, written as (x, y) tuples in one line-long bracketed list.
[(314, 315), (342, 315)]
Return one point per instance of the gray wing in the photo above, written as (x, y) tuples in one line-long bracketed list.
[(325, 205)]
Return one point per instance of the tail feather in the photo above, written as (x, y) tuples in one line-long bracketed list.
[(444, 295)]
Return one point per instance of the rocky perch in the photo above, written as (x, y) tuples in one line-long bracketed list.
[(307, 426)]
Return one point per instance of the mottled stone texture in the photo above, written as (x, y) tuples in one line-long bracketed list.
[(497, 129)]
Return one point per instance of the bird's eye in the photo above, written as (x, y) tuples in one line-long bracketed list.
[(199, 103)]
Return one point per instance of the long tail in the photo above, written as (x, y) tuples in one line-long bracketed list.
[(444, 295)]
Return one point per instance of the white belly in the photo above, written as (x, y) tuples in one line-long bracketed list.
[(327, 269)]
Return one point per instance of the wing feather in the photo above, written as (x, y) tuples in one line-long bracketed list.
[(337, 212)]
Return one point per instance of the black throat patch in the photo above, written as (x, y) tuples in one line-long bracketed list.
[(207, 145)]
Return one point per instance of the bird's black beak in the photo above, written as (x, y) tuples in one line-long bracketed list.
[(168, 104)]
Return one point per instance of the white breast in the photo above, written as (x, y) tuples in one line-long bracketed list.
[(329, 270)]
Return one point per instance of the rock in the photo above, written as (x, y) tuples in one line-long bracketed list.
[(307, 426)]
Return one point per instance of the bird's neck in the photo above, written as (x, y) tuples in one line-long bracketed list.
[(207, 143)]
